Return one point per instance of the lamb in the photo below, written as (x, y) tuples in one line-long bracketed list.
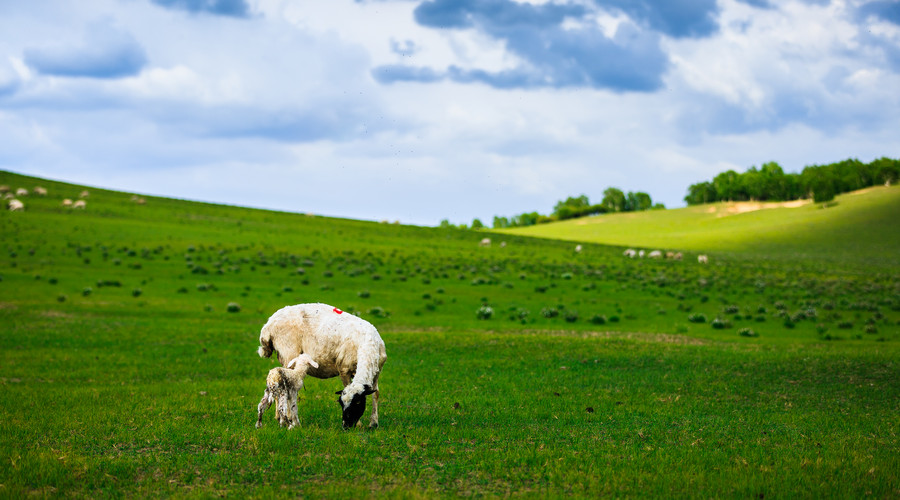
[(16, 205), (703, 259), (282, 386), (340, 343)]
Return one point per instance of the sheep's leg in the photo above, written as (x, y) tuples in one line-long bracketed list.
[(373, 418), (293, 418), (264, 405)]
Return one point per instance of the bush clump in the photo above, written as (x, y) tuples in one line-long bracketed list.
[(549, 312), (746, 332), (720, 323), (598, 319), (484, 312), (363, 294), (571, 316), (233, 307), (697, 318)]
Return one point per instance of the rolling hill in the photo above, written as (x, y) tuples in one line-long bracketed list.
[(863, 228)]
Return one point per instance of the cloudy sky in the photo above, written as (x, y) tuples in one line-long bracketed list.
[(423, 110)]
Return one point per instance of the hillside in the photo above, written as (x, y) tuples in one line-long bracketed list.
[(863, 228), (129, 366)]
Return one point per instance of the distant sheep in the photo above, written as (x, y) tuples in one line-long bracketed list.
[(630, 253), (84, 194), (4, 189), (677, 256), (21, 192), (485, 242), (703, 259), (40, 191), (137, 199), (80, 204), (282, 386), (641, 254), (16, 206), (502, 244), (656, 254), (342, 345), (67, 203), (577, 248)]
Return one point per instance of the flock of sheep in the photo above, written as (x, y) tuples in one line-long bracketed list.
[(17, 205), (325, 342), (631, 253)]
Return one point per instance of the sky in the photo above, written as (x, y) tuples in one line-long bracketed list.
[(418, 111)]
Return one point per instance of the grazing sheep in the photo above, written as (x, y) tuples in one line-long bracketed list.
[(502, 244), (656, 254), (80, 204), (630, 253), (4, 189), (21, 192), (577, 248), (84, 194), (486, 242), (16, 206), (677, 256), (641, 254), (282, 386), (703, 259), (342, 344), (67, 203), (40, 191), (670, 255)]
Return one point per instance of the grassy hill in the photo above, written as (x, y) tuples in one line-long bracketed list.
[(128, 364), (863, 227)]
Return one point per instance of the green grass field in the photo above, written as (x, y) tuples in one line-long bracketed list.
[(861, 228), (123, 372)]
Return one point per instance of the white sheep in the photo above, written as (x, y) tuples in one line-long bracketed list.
[(641, 254), (677, 256), (67, 203), (485, 242), (21, 192), (40, 191), (630, 253), (80, 204), (282, 386), (577, 248), (16, 206), (342, 345), (703, 259), (656, 254), (84, 194)]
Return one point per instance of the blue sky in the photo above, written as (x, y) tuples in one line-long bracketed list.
[(423, 110)]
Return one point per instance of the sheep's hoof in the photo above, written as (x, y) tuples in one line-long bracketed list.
[(373, 425), (258, 424)]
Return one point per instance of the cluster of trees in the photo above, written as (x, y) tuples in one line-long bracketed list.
[(614, 200), (770, 183)]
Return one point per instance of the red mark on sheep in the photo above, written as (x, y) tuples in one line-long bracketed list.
[(338, 311)]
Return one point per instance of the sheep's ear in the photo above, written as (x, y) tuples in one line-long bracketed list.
[(367, 389), (339, 392), (313, 363)]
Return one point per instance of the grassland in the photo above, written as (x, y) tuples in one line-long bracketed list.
[(124, 374), (861, 228)]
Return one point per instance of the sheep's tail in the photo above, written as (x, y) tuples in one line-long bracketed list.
[(265, 343)]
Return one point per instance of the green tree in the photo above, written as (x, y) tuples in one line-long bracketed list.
[(477, 224), (500, 222), (613, 199)]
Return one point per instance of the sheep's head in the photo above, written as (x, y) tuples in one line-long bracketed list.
[(353, 403), (302, 362)]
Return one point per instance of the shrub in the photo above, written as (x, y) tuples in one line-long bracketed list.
[(571, 316), (732, 309), (720, 323), (136, 292), (61, 298), (613, 319), (378, 312), (697, 318), (845, 325), (363, 294), (870, 329), (86, 291), (233, 307), (598, 319), (484, 312), (549, 312), (746, 332)]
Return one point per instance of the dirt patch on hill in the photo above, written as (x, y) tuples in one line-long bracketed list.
[(742, 207)]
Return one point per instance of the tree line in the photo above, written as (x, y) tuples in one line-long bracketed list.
[(614, 200), (770, 183)]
